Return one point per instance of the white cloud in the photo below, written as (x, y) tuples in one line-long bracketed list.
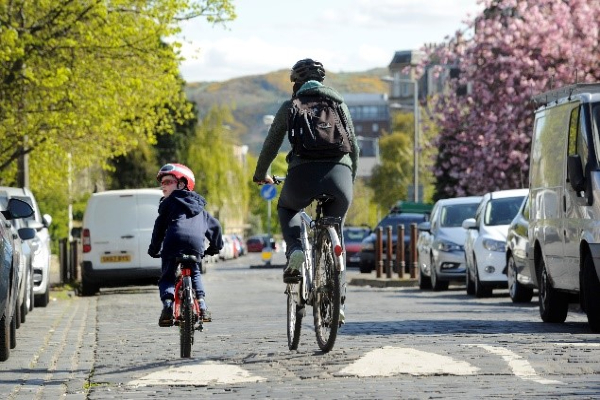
[(346, 35)]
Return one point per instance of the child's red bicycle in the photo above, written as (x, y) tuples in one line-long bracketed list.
[(186, 310)]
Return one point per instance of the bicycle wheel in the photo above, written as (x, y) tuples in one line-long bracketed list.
[(326, 306), (295, 313), (186, 326)]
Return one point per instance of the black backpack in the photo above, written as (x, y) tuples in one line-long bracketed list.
[(316, 128)]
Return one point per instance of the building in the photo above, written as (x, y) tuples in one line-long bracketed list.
[(371, 117)]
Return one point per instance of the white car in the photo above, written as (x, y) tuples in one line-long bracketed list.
[(40, 244), (485, 243), (440, 251)]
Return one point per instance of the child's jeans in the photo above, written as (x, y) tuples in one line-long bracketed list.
[(166, 283)]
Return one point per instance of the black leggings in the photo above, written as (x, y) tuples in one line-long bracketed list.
[(305, 182)]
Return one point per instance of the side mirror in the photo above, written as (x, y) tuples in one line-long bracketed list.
[(575, 173), (47, 220), (26, 233), (17, 209), (469, 223), (424, 227)]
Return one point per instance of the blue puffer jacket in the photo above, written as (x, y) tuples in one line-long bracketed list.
[(181, 226)]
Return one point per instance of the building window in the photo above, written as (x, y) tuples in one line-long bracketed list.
[(375, 127)]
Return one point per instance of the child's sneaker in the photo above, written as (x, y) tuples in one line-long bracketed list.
[(166, 315), (293, 272), (204, 313)]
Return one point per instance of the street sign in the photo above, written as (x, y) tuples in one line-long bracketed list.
[(268, 192)]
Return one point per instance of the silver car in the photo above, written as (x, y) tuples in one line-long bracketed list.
[(440, 248)]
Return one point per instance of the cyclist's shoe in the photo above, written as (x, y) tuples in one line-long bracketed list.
[(342, 317), (293, 272), (166, 315), (204, 313)]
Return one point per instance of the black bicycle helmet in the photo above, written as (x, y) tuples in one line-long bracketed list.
[(307, 70)]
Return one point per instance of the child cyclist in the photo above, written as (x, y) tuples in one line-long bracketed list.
[(181, 228)]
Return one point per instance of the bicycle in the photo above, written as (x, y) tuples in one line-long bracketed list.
[(320, 283), (186, 309)]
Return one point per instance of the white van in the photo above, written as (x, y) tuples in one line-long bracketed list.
[(564, 218), (117, 228)]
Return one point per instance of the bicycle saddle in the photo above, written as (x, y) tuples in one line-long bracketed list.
[(187, 258)]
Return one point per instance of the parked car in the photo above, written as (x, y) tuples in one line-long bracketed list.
[(485, 244), (353, 236), (40, 245), (403, 214), (440, 249), (256, 243), (519, 257), (117, 229), (26, 296), (564, 222), (9, 282)]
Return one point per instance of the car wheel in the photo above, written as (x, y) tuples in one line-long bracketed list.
[(468, 281), (436, 284), (4, 338), (424, 280), (518, 293), (13, 330), (591, 293), (365, 268), (42, 300), (554, 305), (480, 289), (88, 288), (24, 309)]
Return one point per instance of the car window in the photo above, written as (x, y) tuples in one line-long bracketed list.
[(452, 216), (355, 235), (28, 201), (502, 211)]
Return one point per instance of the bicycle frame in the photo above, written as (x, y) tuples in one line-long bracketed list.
[(183, 290)]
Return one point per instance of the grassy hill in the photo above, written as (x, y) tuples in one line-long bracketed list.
[(252, 97)]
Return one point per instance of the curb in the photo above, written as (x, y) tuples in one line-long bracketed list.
[(384, 283)]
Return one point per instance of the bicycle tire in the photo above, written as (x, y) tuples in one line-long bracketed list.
[(326, 306), (295, 313), (186, 326)]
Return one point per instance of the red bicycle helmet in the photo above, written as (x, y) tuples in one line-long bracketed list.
[(179, 171)]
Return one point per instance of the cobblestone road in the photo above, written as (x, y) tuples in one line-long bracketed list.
[(397, 343)]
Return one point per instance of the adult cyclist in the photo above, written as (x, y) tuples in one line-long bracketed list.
[(307, 178)]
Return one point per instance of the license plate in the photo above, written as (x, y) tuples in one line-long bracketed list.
[(115, 259), (354, 259)]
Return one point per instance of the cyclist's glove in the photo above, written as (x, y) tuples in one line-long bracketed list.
[(211, 251), (153, 253)]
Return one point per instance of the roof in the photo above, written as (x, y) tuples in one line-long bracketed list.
[(509, 193), (566, 92), (460, 200)]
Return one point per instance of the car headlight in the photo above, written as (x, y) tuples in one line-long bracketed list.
[(368, 246), (446, 246), (494, 245), (35, 244)]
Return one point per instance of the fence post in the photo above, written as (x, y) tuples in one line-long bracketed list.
[(378, 252), (388, 258), (400, 260), (413, 250)]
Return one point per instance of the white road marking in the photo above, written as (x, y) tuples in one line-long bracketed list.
[(204, 374), (390, 361), (519, 366), (577, 344)]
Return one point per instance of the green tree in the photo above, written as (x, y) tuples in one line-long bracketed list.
[(391, 178)]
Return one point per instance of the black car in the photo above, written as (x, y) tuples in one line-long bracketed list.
[(397, 216), (9, 273)]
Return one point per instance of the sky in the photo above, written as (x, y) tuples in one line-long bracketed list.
[(345, 35)]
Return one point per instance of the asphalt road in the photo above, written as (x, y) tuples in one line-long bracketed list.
[(398, 342)]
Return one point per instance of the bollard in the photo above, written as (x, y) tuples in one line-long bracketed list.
[(63, 257), (400, 261), (378, 252), (388, 258), (413, 250)]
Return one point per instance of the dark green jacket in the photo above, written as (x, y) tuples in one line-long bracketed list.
[(278, 132)]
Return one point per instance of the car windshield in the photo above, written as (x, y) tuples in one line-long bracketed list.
[(502, 211), (394, 220), (452, 216)]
